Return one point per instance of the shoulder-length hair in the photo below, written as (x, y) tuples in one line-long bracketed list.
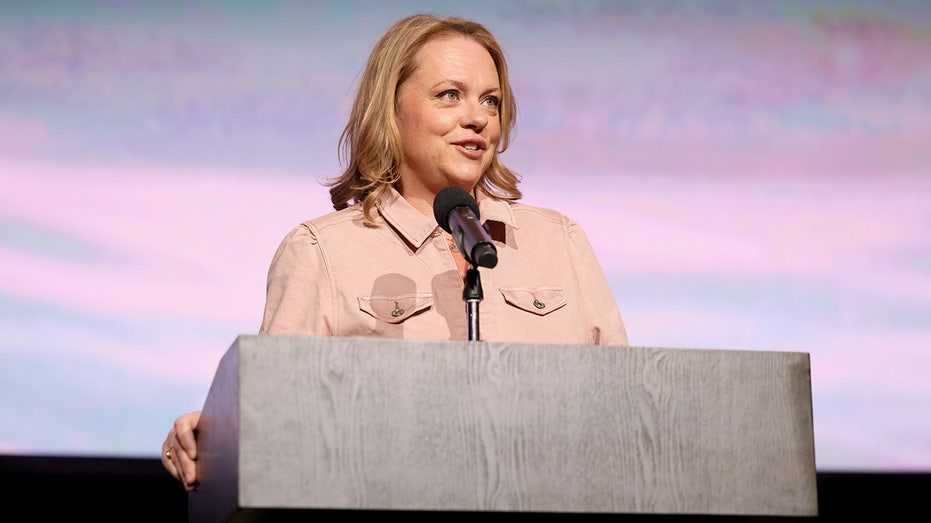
[(370, 144)]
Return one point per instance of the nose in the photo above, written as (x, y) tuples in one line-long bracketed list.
[(474, 116)]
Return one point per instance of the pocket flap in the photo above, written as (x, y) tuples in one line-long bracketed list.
[(395, 309), (540, 301)]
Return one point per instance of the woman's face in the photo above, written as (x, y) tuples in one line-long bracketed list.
[(448, 117)]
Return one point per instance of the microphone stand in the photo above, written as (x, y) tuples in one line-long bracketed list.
[(472, 294)]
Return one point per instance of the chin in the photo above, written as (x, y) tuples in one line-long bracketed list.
[(470, 178)]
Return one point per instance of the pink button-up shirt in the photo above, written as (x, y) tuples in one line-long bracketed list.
[(335, 276)]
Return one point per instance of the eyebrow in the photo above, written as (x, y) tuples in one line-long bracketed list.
[(462, 86)]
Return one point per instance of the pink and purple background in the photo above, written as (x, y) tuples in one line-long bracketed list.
[(752, 175)]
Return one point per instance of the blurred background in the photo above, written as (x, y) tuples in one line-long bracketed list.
[(752, 175)]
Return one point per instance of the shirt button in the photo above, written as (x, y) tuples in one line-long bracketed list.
[(539, 304), (398, 311)]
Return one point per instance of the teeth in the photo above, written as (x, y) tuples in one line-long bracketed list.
[(471, 147)]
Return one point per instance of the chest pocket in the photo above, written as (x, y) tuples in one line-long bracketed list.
[(395, 309), (540, 300)]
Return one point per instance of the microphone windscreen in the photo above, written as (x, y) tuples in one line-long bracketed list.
[(447, 200)]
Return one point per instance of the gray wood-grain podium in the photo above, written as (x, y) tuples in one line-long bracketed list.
[(295, 424)]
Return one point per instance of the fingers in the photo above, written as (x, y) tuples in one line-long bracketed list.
[(167, 452), (179, 450), (188, 472), (185, 431), (171, 458)]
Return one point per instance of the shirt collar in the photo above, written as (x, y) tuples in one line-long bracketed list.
[(492, 209), (413, 226), (416, 228)]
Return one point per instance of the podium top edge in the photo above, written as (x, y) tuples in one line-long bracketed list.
[(399, 341)]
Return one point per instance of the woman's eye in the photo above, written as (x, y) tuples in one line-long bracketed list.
[(449, 95), (492, 101)]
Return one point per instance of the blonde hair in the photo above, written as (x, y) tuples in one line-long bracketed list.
[(370, 144)]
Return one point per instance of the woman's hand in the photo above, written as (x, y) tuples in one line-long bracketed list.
[(179, 451)]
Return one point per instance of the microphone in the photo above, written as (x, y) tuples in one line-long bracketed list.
[(457, 213)]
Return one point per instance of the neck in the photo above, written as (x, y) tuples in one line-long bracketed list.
[(422, 199)]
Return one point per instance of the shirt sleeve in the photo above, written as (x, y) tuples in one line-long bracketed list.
[(298, 293), (605, 322)]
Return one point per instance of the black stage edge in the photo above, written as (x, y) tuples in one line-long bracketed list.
[(50, 488)]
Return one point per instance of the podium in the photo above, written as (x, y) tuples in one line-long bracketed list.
[(294, 427)]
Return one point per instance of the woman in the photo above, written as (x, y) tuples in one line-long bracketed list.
[(434, 109)]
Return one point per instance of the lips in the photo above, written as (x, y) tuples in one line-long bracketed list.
[(471, 148)]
